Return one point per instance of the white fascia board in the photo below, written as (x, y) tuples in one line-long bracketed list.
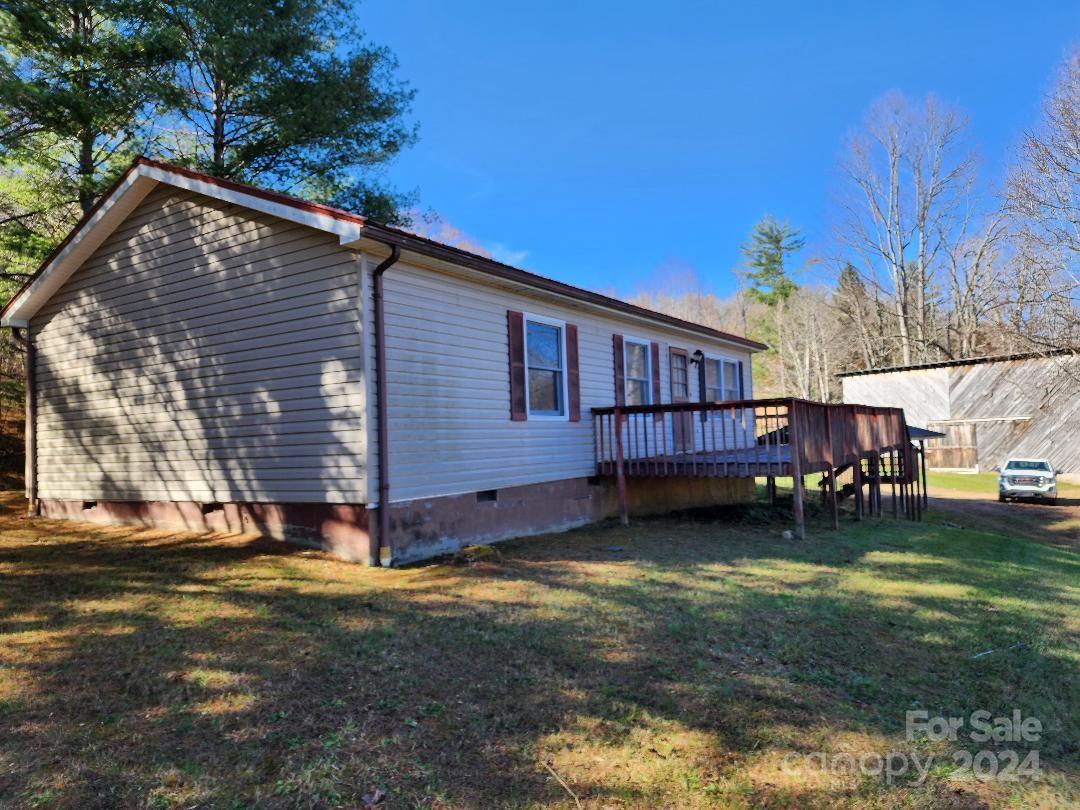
[(346, 231)]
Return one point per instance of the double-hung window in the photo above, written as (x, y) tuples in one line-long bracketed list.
[(680, 377), (714, 390), (731, 380), (545, 353), (637, 363), (721, 379)]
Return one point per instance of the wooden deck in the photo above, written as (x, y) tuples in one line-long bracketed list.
[(766, 439), (720, 463)]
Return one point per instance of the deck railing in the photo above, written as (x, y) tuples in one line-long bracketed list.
[(745, 437), (753, 438)]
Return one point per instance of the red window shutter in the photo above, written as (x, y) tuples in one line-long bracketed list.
[(742, 393), (516, 332), (654, 364), (573, 376), (620, 369)]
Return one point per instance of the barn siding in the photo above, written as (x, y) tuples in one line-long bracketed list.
[(449, 387), (1041, 389), (1012, 408), (922, 393), (205, 352)]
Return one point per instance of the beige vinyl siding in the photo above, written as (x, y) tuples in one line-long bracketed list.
[(449, 391), (204, 352)]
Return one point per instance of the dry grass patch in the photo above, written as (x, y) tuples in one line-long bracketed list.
[(691, 669)]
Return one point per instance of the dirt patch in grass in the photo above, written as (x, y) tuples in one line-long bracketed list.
[(684, 662)]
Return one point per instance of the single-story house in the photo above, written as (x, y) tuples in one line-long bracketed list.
[(205, 354), (989, 408)]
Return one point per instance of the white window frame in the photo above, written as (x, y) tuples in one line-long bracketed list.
[(549, 417), (637, 341), (685, 355), (722, 358)]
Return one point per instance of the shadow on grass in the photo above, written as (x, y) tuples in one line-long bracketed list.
[(142, 669)]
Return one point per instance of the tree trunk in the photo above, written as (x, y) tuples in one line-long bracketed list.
[(218, 160), (85, 161)]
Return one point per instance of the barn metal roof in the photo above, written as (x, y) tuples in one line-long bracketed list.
[(964, 361), (918, 433)]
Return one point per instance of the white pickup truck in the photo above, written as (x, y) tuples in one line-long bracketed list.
[(1027, 478)]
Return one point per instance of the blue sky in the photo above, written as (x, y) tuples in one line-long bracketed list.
[(602, 142)]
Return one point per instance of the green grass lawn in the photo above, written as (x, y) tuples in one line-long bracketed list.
[(691, 661), (985, 482)]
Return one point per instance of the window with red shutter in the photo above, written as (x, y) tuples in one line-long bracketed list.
[(573, 375), (544, 377), (620, 369), (516, 339)]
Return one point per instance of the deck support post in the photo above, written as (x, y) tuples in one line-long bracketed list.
[(901, 475), (794, 434), (856, 477), (831, 495), (620, 473), (918, 499), (905, 482), (869, 478), (833, 505), (892, 480), (770, 489), (913, 484), (922, 463), (875, 467), (798, 487)]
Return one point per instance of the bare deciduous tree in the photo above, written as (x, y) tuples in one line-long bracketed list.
[(907, 172), (973, 262), (1043, 199)]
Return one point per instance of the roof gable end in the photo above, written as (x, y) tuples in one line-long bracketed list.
[(126, 194)]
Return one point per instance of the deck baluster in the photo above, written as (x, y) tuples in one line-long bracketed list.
[(598, 426), (715, 451)]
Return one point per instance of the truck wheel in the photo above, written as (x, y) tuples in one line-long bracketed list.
[(1001, 498)]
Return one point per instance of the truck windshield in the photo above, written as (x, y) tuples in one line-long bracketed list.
[(1041, 466)]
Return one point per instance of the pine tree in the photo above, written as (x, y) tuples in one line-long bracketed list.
[(79, 82), (766, 253), (286, 93)]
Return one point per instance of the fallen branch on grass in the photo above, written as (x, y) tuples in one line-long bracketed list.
[(1003, 649), (566, 787)]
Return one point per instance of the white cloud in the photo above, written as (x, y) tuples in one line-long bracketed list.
[(507, 255), (433, 225)]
